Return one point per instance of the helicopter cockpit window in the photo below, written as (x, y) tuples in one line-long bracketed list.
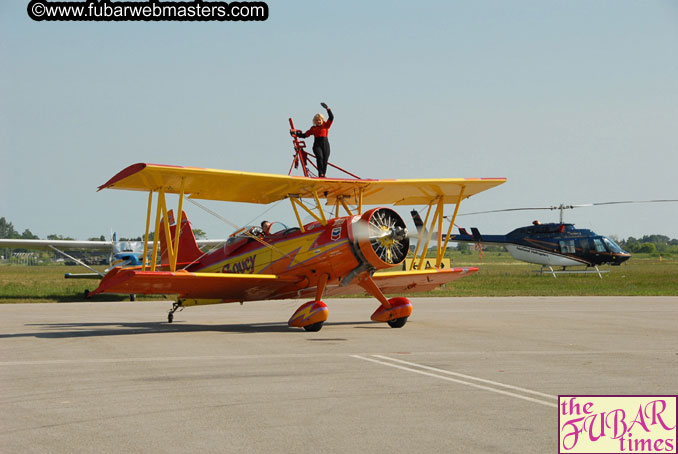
[(612, 246), (567, 247), (598, 243)]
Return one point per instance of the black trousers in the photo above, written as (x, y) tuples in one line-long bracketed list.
[(321, 150)]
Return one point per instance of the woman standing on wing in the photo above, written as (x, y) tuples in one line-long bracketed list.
[(321, 144)]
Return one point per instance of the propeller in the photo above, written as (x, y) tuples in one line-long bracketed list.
[(382, 235), (388, 236)]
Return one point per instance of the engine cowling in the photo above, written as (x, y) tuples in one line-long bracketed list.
[(380, 238)]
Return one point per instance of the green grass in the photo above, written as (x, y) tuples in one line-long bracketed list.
[(45, 284), (499, 275)]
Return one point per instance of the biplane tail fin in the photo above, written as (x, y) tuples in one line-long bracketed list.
[(189, 251)]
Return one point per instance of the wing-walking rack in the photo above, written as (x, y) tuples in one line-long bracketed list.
[(301, 157), (300, 153), (304, 193)]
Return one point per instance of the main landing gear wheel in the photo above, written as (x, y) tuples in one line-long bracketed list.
[(396, 316), (310, 316), (398, 322), (314, 328), (170, 317)]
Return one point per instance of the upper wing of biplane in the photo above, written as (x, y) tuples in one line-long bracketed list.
[(232, 186)]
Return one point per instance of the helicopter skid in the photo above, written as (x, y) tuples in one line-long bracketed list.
[(542, 257)]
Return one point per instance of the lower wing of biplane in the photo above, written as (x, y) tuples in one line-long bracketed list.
[(214, 288), (333, 255)]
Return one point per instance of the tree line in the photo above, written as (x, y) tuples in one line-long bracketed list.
[(7, 231), (649, 244)]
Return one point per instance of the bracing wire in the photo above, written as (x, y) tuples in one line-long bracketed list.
[(236, 227)]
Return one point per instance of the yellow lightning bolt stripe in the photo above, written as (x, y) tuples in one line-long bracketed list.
[(286, 248), (264, 256), (305, 250), (304, 314)]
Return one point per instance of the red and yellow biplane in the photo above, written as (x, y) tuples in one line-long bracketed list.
[(330, 256)]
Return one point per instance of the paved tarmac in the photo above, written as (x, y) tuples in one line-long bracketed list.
[(465, 375)]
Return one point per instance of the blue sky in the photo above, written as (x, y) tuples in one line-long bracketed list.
[(573, 102)]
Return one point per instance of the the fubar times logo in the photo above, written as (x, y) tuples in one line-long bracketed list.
[(617, 424)]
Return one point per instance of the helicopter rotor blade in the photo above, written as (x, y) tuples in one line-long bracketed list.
[(505, 210), (566, 207), (636, 201)]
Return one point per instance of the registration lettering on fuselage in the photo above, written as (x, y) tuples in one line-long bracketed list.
[(245, 266)]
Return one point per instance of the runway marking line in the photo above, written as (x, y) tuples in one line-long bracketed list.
[(457, 374), (442, 375)]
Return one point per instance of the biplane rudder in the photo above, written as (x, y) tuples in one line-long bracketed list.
[(189, 251)]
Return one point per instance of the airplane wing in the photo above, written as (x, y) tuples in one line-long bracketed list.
[(224, 286), (61, 244), (419, 281), (233, 186), (77, 244), (253, 287), (398, 282)]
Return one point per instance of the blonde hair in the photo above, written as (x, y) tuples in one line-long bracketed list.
[(319, 115)]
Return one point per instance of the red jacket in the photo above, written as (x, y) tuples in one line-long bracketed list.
[(319, 131), (322, 130)]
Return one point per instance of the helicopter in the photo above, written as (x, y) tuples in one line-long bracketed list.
[(555, 244)]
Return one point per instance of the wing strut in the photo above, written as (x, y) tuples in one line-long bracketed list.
[(156, 241), (416, 250), (297, 202), (79, 262), (148, 226), (165, 221), (436, 219), (341, 200), (436, 225), (177, 231), (172, 244), (449, 229)]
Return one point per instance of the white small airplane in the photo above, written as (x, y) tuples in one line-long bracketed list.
[(121, 253)]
